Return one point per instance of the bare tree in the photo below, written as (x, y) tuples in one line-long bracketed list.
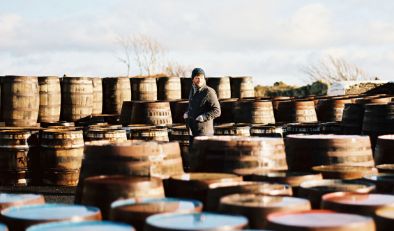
[(125, 43), (176, 69), (332, 69)]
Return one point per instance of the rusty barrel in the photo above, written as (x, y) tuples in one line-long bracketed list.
[(306, 151), (151, 112), (20, 100), (242, 87), (169, 88), (50, 99), (77, 98), (143, 88), (254, 111), (113, 135), (344, 172), (231, 129), (20, 218), (257, 207), (178, 109), (319, 220), (147, 132), (296, 111), (383, 150), (101, 191), (331, 110), (186, 86), (115, 91), (269, 130), (227, 107), (61, 154), (221, 85), (136, 211), (97, 83), (230, 153)]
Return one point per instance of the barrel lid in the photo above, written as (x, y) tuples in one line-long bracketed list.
[(317, 218), (122, 180), (196, 221), (337, 186), (84, 225), (49, 212), (382, 177), (12, 198), (386, 212), (206, 177), (289, 177), (262, 201), (349, 198)]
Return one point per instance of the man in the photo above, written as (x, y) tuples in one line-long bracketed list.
[(203, 106)]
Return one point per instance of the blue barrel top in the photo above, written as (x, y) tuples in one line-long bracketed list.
[(85, 225), (11, 198), (183, 204)]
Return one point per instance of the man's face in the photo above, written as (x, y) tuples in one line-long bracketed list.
[(199, 80)]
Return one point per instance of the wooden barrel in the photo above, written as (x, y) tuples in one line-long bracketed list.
[(180, 134), (298, 111), (97, 83), (169, 88), (144, 88), (302, 128), (81, 225), (352, 118), (269, 130), (230, 153), (356, 203), (8, 200), (135, 212), (63, 124), (227, 107), (319, 220), (50, 99), (101, 191), (61, 152), (113, 135), (314, 190), (186, 86), (20, 100), (385, 168), (19, 218), (77, 98), (151, 112), (384, 218), (254, 111), (221, 85), (219, 190), (195, 221), (306, 151), (331, 110), (335, 128), (242, 87), (115, 91), (383, 150), (275, 104), (344, 172), (232, 130), (178, 109), (125, 113), (257, 207), (147, 133), (384, 182)]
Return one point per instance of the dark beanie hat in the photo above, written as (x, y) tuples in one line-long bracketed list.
[(197, 71)]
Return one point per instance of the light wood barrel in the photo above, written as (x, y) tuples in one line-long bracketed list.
[(221, 85), (254, 111), (151, 112), (115, 91), (144, 88), (169, 88), (50, 99), (242, 87), (97, 95)]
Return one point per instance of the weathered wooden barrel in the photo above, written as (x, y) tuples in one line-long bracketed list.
[(306, 151), (319, 220), (356, 203), (61, 154), (169, 88), (257, 207), (125, 113), (242, 87), (335, 128), (20, 218), (227, 107), (82, 225), (269, 130), (302, 128), (77, 98), (101, 191), (344, 172), (63, 124), (50, 99), (384, 182), (378, 120), (8, 200), (385, 168), (231, 129), (20, 100), (97, 83), (331, 110), (384, 218), (314, 190), (186, 86), (254, 111), (113, 135), (151, 112), (275, 104), (230, 153), (147, 133), (135, 211), (135, 158), (181, 135), (221, 85), (195, 221), (373, 100), (144, 89), (115, 91), (383, 150), (297, 111), (352, 118), (178, 109)]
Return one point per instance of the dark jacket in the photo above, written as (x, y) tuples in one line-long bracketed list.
[(203, 102)]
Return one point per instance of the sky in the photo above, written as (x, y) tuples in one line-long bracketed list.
[(269, 40)]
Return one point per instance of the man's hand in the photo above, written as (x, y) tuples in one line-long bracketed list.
[(200, 118), (185, 116)]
